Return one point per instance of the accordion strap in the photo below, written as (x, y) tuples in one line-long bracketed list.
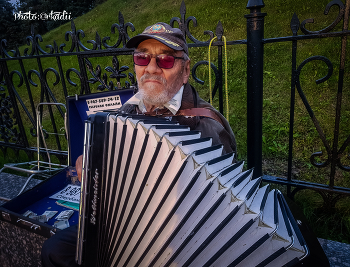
[(191, 112), (203, 112)]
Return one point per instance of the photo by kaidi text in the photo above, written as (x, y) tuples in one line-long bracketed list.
[(64, 15)]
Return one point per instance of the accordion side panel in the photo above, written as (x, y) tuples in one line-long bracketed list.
[(94, 183)]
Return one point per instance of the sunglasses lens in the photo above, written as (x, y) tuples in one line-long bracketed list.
[(165, 61), (142, 59)]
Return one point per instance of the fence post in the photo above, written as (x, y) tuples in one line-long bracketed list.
[(255, 64)]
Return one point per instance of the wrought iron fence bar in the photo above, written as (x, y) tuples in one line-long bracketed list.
[(32, 120), (59, 64), (42, 93), (218, 43), (24, 73), (291, 114), (40, 56), (92, 53), (55, 101), (231, 42), (106, 52), (306, 37), (33, 149), (85, 88), (335, 159), (306, 185), (255, 68), (345, 144)]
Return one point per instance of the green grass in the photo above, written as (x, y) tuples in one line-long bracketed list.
[(277, 72), (331, 223)]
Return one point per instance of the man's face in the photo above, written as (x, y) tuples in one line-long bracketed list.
[(156, 85)]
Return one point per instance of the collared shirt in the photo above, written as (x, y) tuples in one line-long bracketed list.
[(173, 105)]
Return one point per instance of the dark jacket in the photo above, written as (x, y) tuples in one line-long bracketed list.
[(220, 133)]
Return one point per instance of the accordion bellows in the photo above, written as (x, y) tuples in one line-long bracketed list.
[(155, 193)]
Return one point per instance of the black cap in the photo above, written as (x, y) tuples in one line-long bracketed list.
[(164, 33)]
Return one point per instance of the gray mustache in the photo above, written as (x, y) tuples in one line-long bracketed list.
[(148, 76)]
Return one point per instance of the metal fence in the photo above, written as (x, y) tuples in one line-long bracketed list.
[(18, 120)]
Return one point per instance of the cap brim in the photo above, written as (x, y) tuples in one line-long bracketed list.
[(136, 40)]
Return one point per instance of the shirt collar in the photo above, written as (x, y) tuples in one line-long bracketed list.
[(173, 105)]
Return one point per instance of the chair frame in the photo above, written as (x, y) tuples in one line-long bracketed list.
[(38, 167)]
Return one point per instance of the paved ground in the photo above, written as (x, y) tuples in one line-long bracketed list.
[(10, 185), (337, 253)]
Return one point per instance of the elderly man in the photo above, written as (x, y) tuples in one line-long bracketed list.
[(162, 69)]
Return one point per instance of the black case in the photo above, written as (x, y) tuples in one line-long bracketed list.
[(34, 233)]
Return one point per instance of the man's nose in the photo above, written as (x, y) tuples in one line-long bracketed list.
[(152, 66)]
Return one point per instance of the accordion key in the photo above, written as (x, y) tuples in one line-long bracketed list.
[(155, 193)]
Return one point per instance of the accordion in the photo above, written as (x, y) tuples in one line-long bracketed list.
[(155, 193)]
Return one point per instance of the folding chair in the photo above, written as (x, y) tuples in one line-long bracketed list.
[(38, 167)]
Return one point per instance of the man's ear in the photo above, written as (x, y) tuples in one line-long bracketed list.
[(187, 71)]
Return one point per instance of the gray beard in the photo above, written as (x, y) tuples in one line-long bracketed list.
[(149, 95)]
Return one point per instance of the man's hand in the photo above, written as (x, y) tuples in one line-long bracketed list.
[(79, 166)]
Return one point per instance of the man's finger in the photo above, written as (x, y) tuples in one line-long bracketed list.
[(79, 166)]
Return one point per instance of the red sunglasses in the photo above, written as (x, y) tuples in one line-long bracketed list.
[(163, 61)]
